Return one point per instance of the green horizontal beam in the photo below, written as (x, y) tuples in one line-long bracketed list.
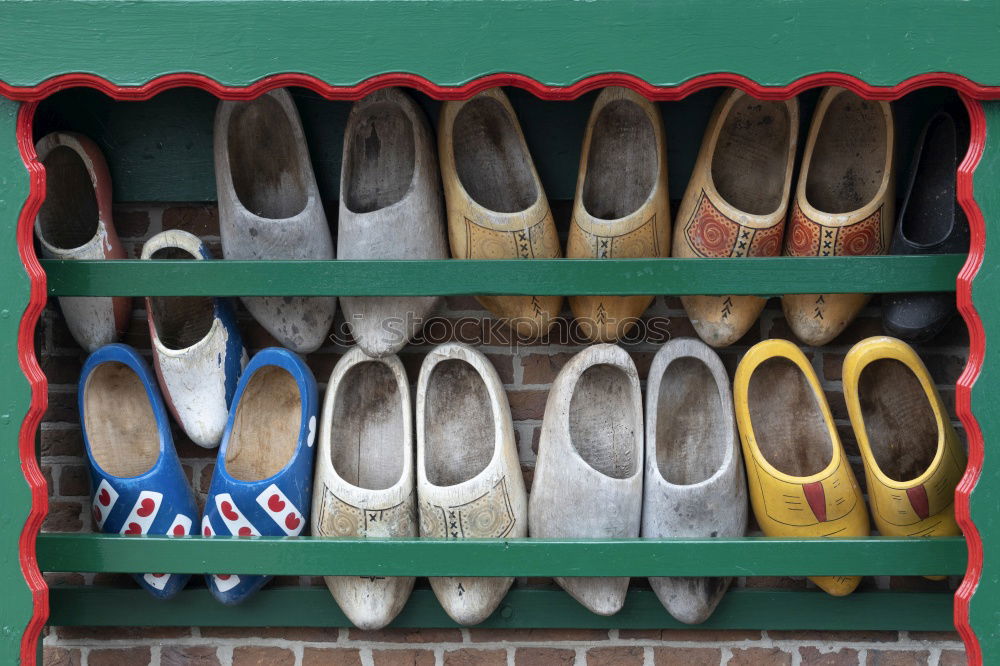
[(305, 556), (741, 608), (621, 277)]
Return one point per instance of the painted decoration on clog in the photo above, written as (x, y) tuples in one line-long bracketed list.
[(198, 351), (138, 484), (262, 485)]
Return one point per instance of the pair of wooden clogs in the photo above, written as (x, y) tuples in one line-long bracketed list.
[(737, 201), (263, 475), (801, 483), (467, 484)]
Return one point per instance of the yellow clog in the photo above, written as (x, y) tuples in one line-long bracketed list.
[(913, 459), (800, 482)]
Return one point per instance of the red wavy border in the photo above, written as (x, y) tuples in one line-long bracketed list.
[(970, 91)]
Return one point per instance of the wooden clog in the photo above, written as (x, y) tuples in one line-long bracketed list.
[(800, 482), (269, 208), (622, 204), (364, 476), (390, 208), (469, 479), (197, 347), (137, 483), (74, 222), (588, 476), (844, 204), (736, 202), (694, 484), (497, 208), (913, 458)]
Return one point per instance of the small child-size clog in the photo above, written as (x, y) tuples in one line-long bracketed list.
[(137, 483), (263, 476), (198, 351)]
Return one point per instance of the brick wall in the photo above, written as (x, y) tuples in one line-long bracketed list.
[(526, 372)]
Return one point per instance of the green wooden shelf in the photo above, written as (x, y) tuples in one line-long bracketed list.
[(759, 276), (522, 608), (305, 556)]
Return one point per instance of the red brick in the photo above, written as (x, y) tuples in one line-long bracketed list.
[(74, 481), (615, 656), (834, 636), (189, 655), (705, 635), (331, 657), (677, 656), (55, 578), (62, 442), (62, 407), (49, 484), (504, 365), (58, 656), (810, 656), (403, 657), (62, 369), (462, 303), (308, 634), (131, 223), (952, 658), (543, 657), (258, 655), (536, 635), (897, 657), (63, 517), (405, 635), (543, 368), (470, 657), (136, 656), (758, 656), (199, 220), (936, 636), (121, 633), (527, 405)]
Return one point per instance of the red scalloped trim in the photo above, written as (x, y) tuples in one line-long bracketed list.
[(970, 91)]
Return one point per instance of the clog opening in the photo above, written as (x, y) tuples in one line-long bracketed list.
[(622, 164), (69, 216), (368, 428), (751, 155), (787, 420), (121, 427), (381, 156), (459, 431), (492, 162), (180, 321), (265, 161), (693, 430), (899, 419), (849, 159), (602, 421), (266, 429), (932, 197)]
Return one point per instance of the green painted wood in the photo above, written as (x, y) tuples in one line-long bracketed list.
[(305, 556), (522, 608), (450, 42), (15, 396), (762, 276)]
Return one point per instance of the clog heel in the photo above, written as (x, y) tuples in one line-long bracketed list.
[(622, 205), (588, 476), (469, 481), (800, 482), (137, 483), (364, 476), (912, 456)]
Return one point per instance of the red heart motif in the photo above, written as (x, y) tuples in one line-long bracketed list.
[(292, 521), (133, 528), (207, 531), (104, 497), (274, 503), (245, 531), (97, 515), (179, 530), (222, 576), (146, 507), (228, 511)]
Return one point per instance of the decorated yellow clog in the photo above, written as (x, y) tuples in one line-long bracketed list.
[(913, 459), (800, 482)]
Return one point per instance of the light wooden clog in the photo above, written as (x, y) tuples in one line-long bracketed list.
[(74, 222), (469, 481), (622, 204), (269, 208), (390, 208), (913, 458), (588, 476), (736, 202), (364, 476), (844, 204), (694, 484), (497, 208), (800, 482)]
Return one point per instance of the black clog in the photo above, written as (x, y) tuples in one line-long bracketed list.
[(930, 222)]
